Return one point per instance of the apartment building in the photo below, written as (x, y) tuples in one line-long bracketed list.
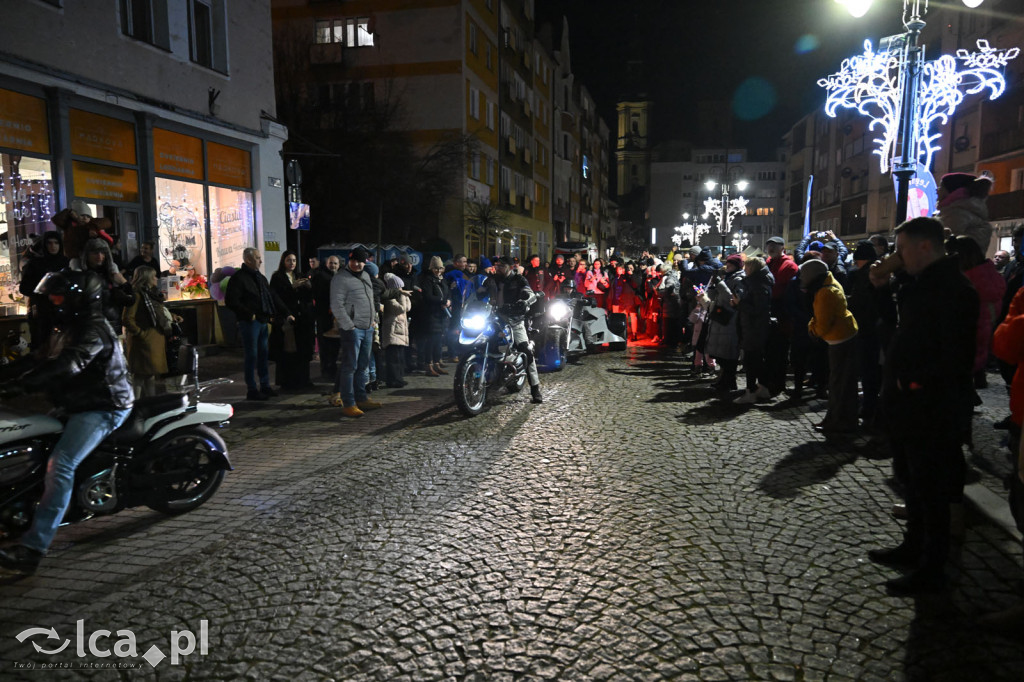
[(157, 115), (483, 70), (678, 188)]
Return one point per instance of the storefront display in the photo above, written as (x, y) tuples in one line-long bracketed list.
[(26, 204), (181, 225), (231, 226)]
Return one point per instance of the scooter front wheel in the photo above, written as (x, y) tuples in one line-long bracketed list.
[(470, 385)]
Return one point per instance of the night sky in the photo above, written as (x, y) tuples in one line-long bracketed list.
[(762, 56)]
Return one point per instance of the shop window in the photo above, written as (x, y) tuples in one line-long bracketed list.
[(26, 205), (231, 226), (146, 20), (181, 225)]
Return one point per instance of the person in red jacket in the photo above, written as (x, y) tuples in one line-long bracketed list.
[(776, 353)]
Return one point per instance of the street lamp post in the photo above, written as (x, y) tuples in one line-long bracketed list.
[(905, 95), (724, 210)]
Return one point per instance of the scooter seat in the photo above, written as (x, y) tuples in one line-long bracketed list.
[(144, 409)]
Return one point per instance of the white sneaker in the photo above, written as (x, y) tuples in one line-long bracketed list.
[(748, 398), (762, 393)]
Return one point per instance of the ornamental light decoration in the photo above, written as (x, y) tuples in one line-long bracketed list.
[(873, 84), (690, 232), (713, 208)]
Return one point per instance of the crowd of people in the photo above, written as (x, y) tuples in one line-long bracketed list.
[(896, 338)]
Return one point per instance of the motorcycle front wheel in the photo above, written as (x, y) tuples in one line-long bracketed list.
[(470, 385), (193, 451)]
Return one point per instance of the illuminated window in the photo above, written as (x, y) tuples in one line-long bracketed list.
[(353, 32)]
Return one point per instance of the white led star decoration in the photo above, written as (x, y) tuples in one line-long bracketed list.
[(713, 208), (872, 84), (690, 232)]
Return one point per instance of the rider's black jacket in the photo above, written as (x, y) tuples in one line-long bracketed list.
[(88, 373), (506, 291)]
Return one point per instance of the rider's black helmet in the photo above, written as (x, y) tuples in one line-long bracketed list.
[(72, 294)]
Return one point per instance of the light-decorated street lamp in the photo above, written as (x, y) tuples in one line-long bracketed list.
[(741, 240), (723, 211), (689, 231), (907, 96)]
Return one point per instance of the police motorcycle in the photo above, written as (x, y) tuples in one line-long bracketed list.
[(165, 456), (489, 358)]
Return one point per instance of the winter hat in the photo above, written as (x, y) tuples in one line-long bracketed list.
[(736, 259), (816, 246), (694, 251), (393, 281), (865, 251), (485, 263), (371, 268), (358, 254), (810, 271), (951, 182)]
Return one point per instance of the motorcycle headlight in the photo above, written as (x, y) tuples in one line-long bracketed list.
[(558, 311), (474, 323)]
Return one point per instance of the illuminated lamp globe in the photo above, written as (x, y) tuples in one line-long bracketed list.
[(856, 8), (741, 185), (973, 3), (710, 184)]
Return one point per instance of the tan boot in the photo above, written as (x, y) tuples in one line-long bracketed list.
[(439, 368), (352, 411), (335, 400), (431, 372)]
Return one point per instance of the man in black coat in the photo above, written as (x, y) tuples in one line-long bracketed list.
[(511, 295), (249, 297), (89, 379), (926, 396)]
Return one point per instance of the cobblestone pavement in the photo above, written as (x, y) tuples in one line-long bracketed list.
[(630, 528)]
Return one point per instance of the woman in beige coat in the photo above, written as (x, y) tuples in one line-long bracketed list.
[(147, 324), (394, 329)]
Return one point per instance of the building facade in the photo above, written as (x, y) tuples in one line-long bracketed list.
[(157, 115), (678, 193), (482, 71)]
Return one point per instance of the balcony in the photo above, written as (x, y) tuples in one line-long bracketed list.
[(1001, 142), (1006, 205)]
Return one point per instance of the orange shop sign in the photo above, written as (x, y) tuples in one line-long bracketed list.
[(228, 165), (105, 183), (177, 154), (101, 137), (23, 122)]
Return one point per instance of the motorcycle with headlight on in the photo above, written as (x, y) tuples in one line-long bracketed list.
[(550, 323), (488, 359)]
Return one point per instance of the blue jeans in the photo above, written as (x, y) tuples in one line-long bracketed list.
[(83, 432), (354, 363), (254, 335)]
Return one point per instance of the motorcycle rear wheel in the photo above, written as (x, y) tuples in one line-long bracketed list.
[(470, 386), (194, 448)]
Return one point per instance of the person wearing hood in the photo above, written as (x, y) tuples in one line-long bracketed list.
[(834, 324), (44, 256), (117, 294), (962, 207)]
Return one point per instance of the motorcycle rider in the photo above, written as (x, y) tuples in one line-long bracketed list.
[(511, 295), (87, 376)]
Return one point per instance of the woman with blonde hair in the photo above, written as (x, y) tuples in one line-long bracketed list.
[(148, 323)]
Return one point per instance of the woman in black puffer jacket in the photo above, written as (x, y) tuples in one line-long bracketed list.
[(431, 315)]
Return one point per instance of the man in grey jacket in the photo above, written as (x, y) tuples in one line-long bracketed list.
[(353, 308)]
